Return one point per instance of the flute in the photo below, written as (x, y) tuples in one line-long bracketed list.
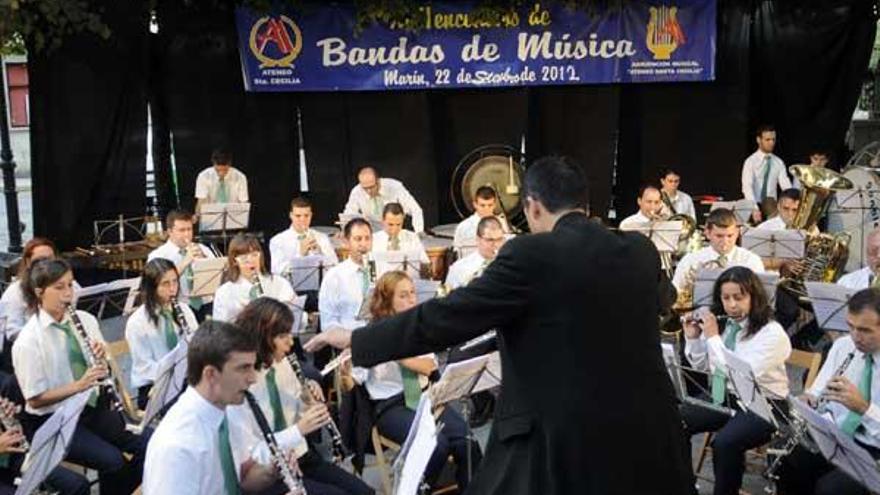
[(822, 402), (338, 447), (292, 480)]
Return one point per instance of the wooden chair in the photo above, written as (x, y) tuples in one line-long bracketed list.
[(380, 444), (115, 351)]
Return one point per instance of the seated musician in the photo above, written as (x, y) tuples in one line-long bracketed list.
[(299, 240), (152, 330), (751, 334), (293, 413), (372, 193), (246, 279), (52, 357), (393, 237), (867, 276), (851, 394), (675, 202), (786, 210), (722, 232), (649, 209), (345, 285), (394, 389), (182, 251), (490, 238), (485, 202), (221, 182)]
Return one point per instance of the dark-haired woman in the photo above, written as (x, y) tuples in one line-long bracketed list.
[(281, 398), (152, 331), (750, 333), (51, 367)]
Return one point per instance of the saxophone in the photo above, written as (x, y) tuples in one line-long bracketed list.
[(685, 297)]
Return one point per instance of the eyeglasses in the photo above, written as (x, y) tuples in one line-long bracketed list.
[(493, 239), (244, 258)]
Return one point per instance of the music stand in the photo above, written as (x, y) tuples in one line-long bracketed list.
[(223, 217), (829, 304), (749, 395), (865, 203), (704, 282), (785, 244), (742, 208), (665, 236), (169, 384), (50, 443), (426, 289), (305, 273), (375, 223), (416, 451), (115, 295), (680, 382), (297, 306), (207, 276), (405, 261)]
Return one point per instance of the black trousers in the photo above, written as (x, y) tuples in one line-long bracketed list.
[(733, 437), (62, 480), (803, 473)]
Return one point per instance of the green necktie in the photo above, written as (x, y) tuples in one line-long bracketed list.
[(365, 279), (412, 391), (227, 462), (75, 356), (168, 328), (767, 166), (376, 205), (394, 243), (254, 292), (275, 401), (194, 302), (222, 192), (722, 261), (853, 419), (719, 380)]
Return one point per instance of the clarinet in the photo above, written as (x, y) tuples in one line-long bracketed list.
[(338, 447), (180, 319), (107, 385), (259, 284), (822, 404), (12, 423), (371, 267), (291, 479)]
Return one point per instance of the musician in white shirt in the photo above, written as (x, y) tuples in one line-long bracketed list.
[(246, 279), (393, 237), (221, 182), (490, 238), (787, 208), (763, 172), (680, 200), (153, 331), (864, 277), (845, 395), (649, 209), (300, 240), (191, 451), (372, 193), (752, 335), (485, 204), (341, 297), (722, 232), (819, 158)]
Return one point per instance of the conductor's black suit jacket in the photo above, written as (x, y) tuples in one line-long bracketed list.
[(586, 405)]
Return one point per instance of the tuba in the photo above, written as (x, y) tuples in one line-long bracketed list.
[(688, 224), (824, 254)]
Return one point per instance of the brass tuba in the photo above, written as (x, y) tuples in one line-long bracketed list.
[(824, 254), (688, 224)]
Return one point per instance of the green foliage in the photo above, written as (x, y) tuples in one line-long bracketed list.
[(45, 23)]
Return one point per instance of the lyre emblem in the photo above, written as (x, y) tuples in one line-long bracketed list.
[(664, 32)]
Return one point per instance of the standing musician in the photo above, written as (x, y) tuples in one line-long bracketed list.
[(247, 279), (649, 209), (153, 331), (58, 355), (182, 251), (847, 387), (345, 286), (722, 232), (372, 193), (763, 172), (675, 202), (293, 411), (221, 182), (300, 239), (819, 158), (485, 202), (490, 238), (394, 237), (752, 335), (866, 276)]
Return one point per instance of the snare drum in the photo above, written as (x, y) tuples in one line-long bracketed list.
[(439, 251), (856, 211)]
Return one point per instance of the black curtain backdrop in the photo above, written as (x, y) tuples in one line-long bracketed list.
[(798, 65)]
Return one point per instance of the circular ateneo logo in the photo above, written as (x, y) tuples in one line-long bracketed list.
[(275, 41)]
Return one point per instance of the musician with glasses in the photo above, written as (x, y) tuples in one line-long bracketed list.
[(675, 201), (848, 388), (300, 239), (490, 238), (372, 193), (867, 276), (751, 334), (763, 172), (649, 209), (221, 182), (485, 202)]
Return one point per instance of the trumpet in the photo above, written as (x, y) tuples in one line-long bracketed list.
[(107, 385), (822, 401), (180, 319), (309, 242), (338, 447), (291, 478)]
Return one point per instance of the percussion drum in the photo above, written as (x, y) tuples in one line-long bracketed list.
[(857, 211)]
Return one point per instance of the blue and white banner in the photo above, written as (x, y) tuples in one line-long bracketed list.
[(458, 45)]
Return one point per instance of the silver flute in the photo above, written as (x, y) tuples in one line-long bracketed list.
[(340, 453), (180, 319), (107, 385), (822, 401), (291, 478)]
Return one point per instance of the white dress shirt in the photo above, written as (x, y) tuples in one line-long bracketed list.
[(40, 356), (753, 175), (147, 343), (208, 183), (465, 269), (737, 257), (384, 380), (765, 351), (466, 231), (390, 191), (183, 455), (14, 308), (232, 297), (284, 246), (683, 203), (857, 280), (870, 433), (244, 431), (775, 223), (409, 242), (637, 221), (341, 296), (171, 252)]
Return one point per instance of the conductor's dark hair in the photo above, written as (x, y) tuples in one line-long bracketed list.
[(864, 299), (558, 183), (177, 215), (760, 312), (721, 217), (346, 231), (212, 344), (392, 208), (42, 274), (764, 128), (265, 318), (221, 156), (487, 222), (154, 270), (485, 192), (792, 193)]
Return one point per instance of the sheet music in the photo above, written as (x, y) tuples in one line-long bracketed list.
[(426, 289), (704, 282), (742, 208), (769, 280), (417, 449), (305, 272), (491, 377), (375, 223), (212, 216), (664, 235), (170, 378), (298, 307), (458, 379), (829, 304), (742, 378), (407, 261), (785, 243), (207, 276)]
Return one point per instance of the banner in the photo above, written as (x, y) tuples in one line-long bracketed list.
[(459, 45)]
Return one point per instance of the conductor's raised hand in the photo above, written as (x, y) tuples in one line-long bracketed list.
[(337, 337)]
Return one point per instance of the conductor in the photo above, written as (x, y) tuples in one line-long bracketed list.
[(586, 405)]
